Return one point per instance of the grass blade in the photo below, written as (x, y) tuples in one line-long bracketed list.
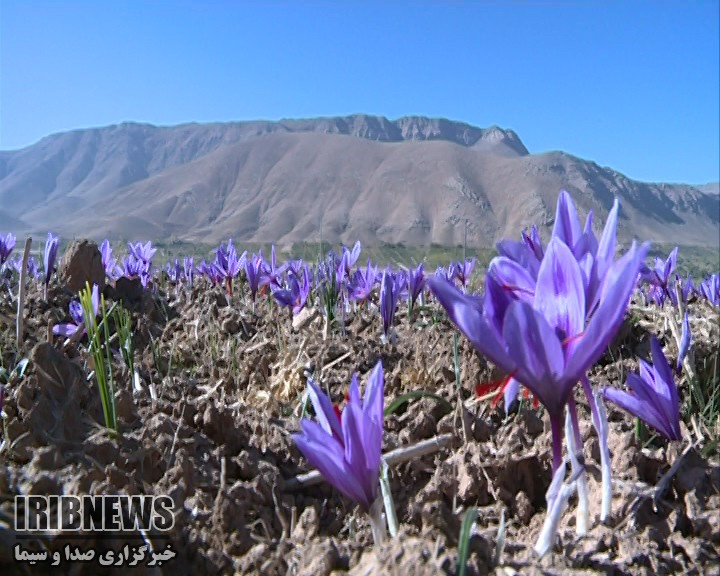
[(400, 400), (466, 532)]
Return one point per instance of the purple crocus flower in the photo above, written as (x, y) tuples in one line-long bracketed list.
[(132, 267), (294, 266), (7, 243), (188, 270), (297, 295), (227, 264), (533, 242), (446, 273), (273, 272), (351, 256), (685, 341), (390, 290), (653, 397), (31, 267), (346, 447), (49, 256), (254, 268), (109, 263), (463, 271), (172, 269), (710, 289), (76, 314), (521, 253), (518, 263), (686, 286), (143, 252), (415, 284), (202, 268), (546, 345), (362, 282), (659, 275)]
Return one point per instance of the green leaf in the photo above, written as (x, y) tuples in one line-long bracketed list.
[(466, 532), (400, 400)]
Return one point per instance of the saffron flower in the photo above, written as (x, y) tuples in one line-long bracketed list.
[(659, 275), (188, 271), (346, 446), (446, 273), (546, 345), (227, 264), (108, 262), (172, 269), (685, 341), (297, 294), (143, 252), (273, 272), (351, 256), (415, 285), (362, 282), (7, 243), (390, 288), (653, 397), (76, 314), (31, 267), (463, 271), (710, 289), (49, 256), (254, 272)]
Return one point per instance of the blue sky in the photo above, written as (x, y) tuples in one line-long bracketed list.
[(632, 85)]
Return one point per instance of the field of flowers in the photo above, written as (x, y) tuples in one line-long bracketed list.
[(556, 413)]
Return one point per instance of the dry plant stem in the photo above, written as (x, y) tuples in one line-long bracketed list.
[(397, 456), (664, 482), (334, 362), (20, 324)]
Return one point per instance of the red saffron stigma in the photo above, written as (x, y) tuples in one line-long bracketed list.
[(572, 338), (485, 387)]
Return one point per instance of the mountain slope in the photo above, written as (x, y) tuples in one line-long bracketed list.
[(412, 180)]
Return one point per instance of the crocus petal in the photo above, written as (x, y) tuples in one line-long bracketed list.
[(513, 277), (373, 396), (560, 292), (538, 353), (326, 457), (355, 455), (95, 298), (685, 339), (567, 226), (640, 408), (64, 329), (606, 247), (521, 253), (510, 393), (466, 312), (603, 325), (669, 264), (665, 387), (324, 410)]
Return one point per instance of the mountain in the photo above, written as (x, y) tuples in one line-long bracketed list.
[(710, 188), (413, 180)]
